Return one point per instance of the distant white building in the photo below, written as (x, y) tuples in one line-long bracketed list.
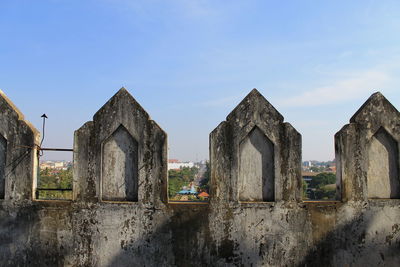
[(174, 164), (308, 164), (58, 164)]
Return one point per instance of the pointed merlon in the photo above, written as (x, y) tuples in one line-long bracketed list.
[(375, 105), (256, 100), (123, 96)]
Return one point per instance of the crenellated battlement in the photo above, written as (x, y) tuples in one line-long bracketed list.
[(120, 215)]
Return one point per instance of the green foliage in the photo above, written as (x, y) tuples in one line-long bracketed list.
[(322, 179), (179, 178), (305, 189), (55, 179), (323, 186), (54, 195), (175, 184), (205, 182), (317, 169), (186, 174), (325, 193), (192, 198)]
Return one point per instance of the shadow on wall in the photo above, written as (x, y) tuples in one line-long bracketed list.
[(224, 233), (370, 238), (384, 166), (20, 235), (185, 240)]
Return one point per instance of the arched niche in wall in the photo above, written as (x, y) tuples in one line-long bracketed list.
[(256, 168), (109, 149), (255, 156), (367, 153), (3, 155), (383, 166), (120, 167)]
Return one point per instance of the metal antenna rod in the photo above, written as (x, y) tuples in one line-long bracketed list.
[(44, 116)]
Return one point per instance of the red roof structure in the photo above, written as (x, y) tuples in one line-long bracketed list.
[(204, 194)]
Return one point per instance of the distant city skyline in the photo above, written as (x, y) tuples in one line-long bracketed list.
[(189, 63)]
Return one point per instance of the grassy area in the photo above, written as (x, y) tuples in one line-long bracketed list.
[(322, 187)]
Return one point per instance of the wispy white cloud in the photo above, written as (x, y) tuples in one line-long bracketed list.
[(341, 90)]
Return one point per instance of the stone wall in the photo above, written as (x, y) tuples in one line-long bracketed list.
[(18, 149), (120, 215)]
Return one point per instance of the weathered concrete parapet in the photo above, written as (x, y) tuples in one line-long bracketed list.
[(251, 151), (255, 156), (18, 153), (367, 152), (121, 156)]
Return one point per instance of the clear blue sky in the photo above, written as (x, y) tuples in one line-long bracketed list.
[(190, 62)]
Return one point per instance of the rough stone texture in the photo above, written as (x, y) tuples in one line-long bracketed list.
[(121, 148), (120, 167), (3, 155), (367, 152), (18, 140), (257, 232), (89, 231), (383, 169), (256, 168), (256, 116)]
